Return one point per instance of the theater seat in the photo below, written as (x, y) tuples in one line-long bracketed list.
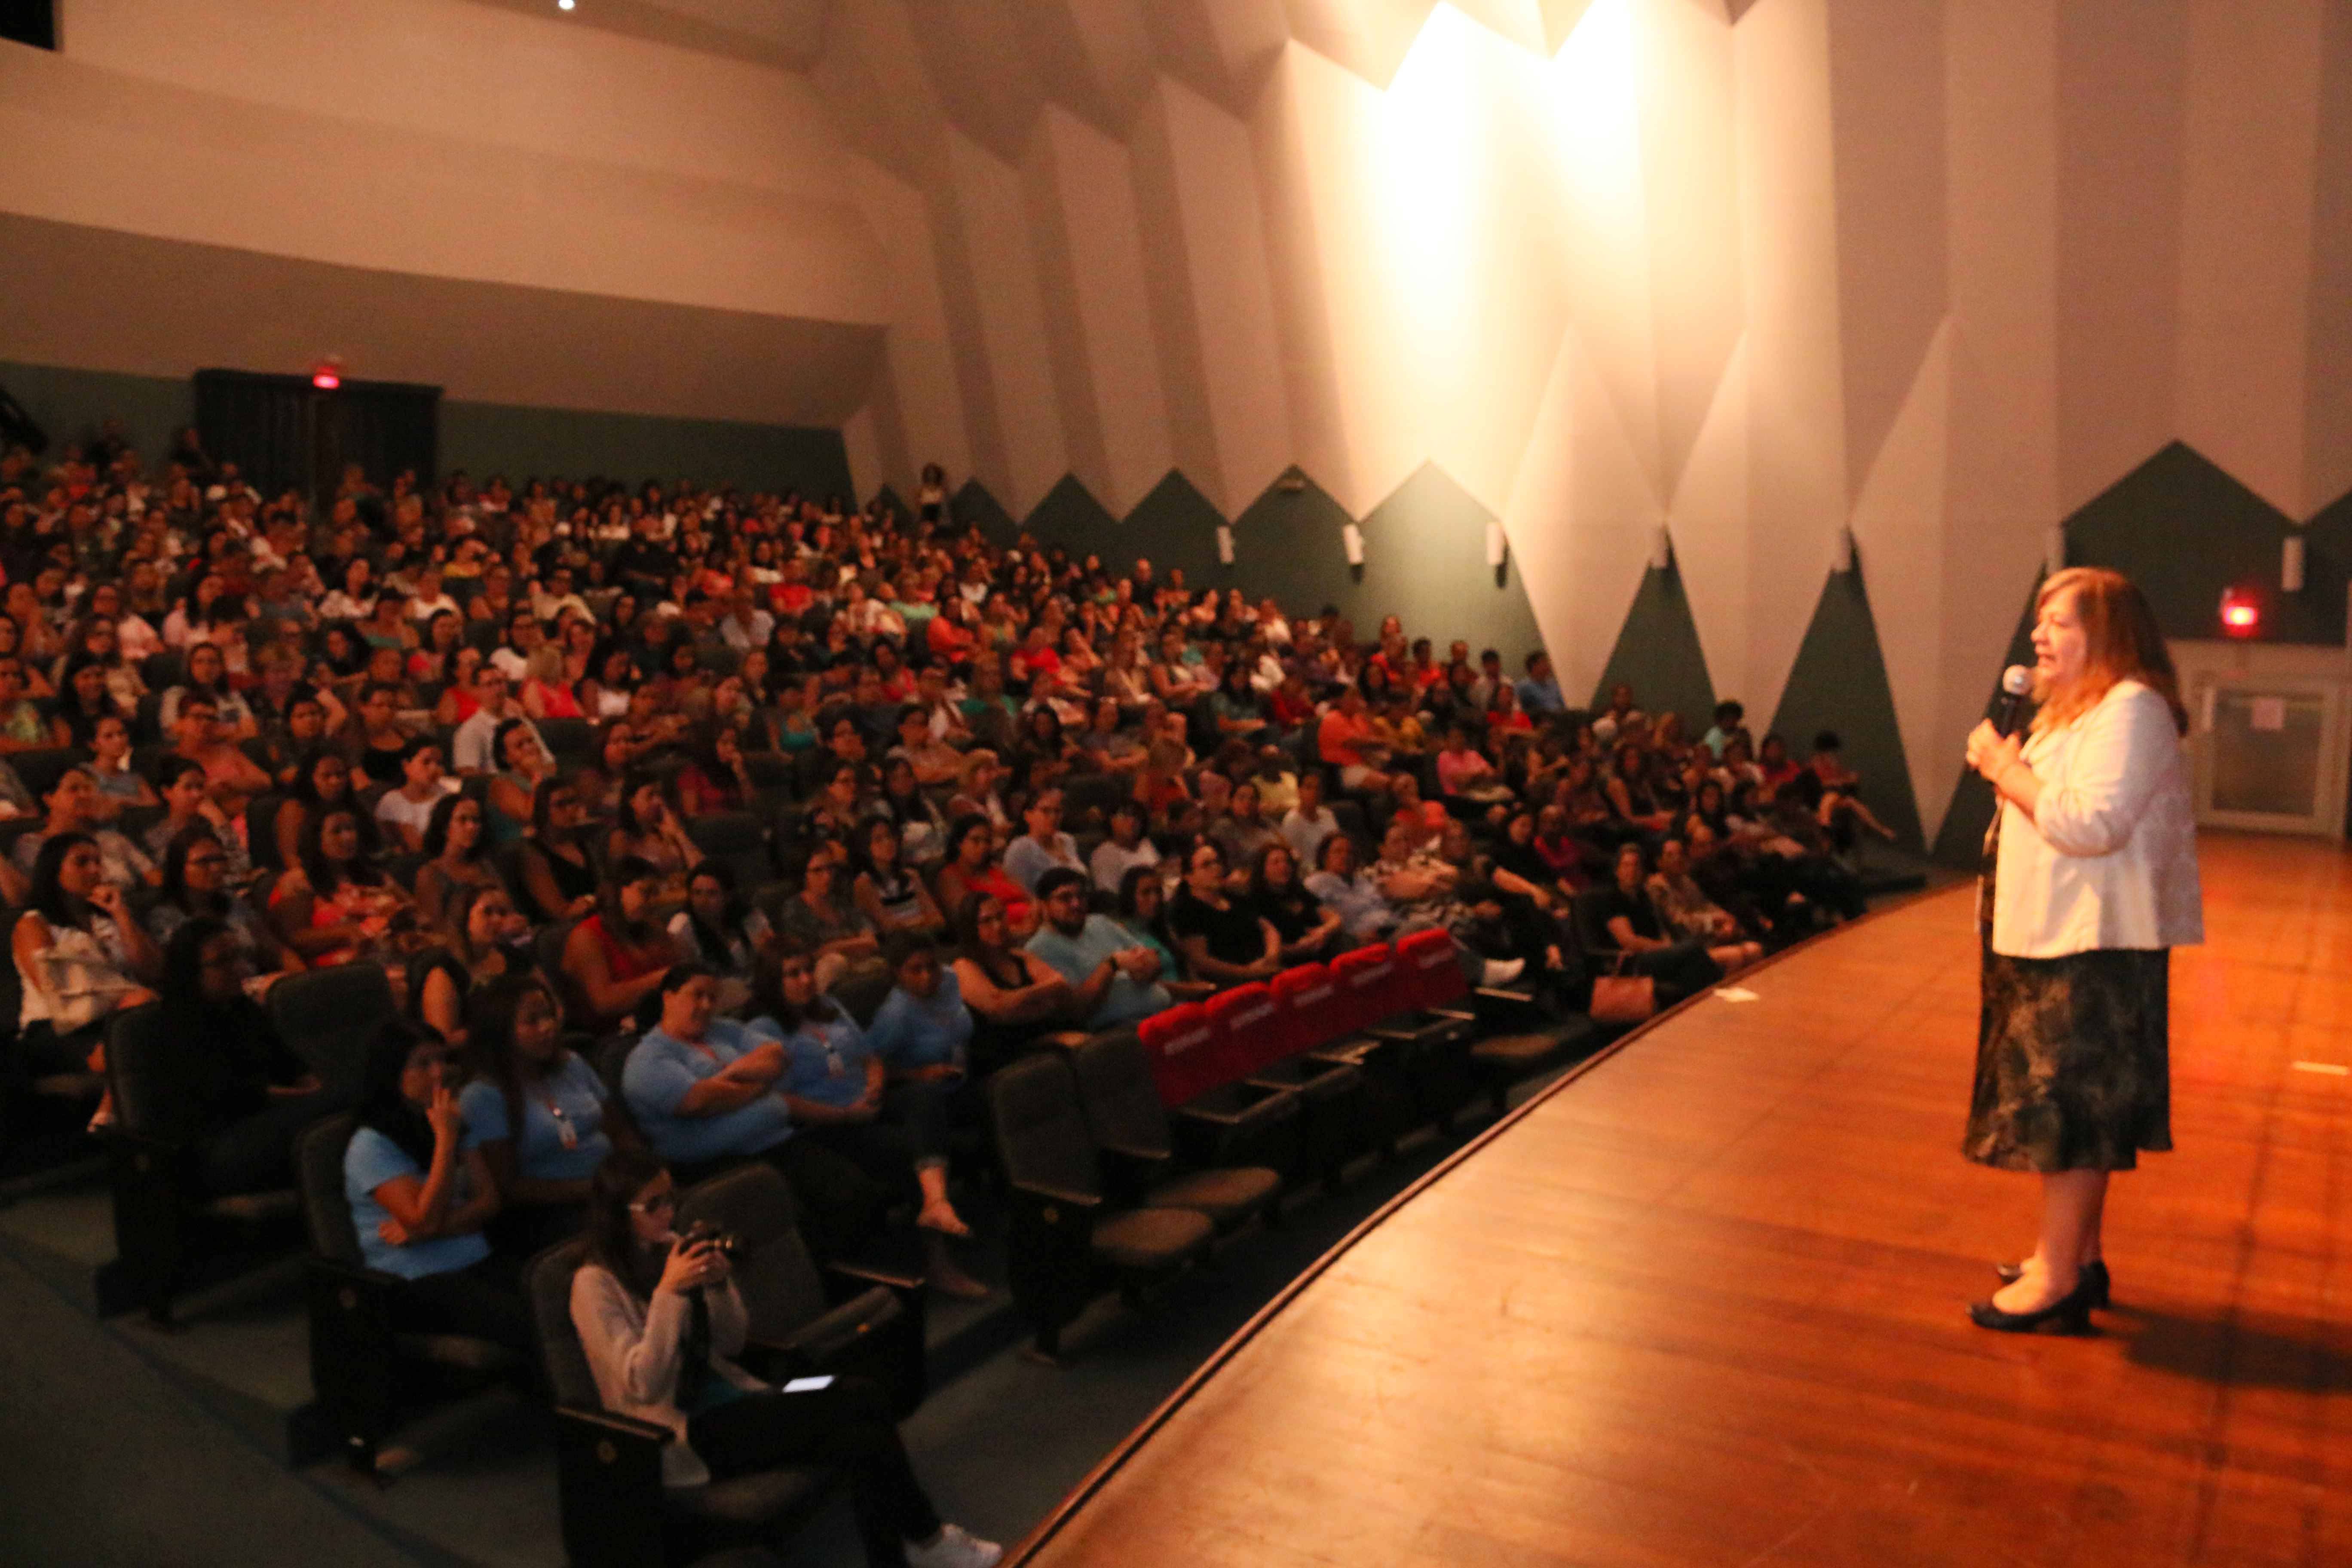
[(1131, 1129), (1070, 1240), (328, 1015), (363, 1370)]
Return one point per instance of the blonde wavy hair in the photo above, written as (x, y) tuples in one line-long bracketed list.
[(2122, 642)]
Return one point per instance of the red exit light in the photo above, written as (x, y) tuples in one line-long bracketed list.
[(326, 380), (2241, 617)]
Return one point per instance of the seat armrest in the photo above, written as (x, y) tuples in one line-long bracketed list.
[(847, 1279), (1128, 1173), (609, 1488), (1067, 1196)]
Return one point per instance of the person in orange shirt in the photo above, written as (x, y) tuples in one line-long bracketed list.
[(1345, 739)]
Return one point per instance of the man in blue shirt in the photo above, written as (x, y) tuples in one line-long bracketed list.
[(1539, 694), (1117, 979)]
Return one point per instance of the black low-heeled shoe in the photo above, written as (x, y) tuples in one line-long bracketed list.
[(2094, 1275), (2070, 1314)]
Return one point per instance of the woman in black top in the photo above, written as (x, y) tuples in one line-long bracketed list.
[(1309, 931), (1621, 933), (1222, 939), (240, 1092), (559, 881)]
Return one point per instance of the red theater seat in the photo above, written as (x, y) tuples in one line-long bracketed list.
[(1362, 979), (1308, 1004), (1180, 1043), (1429, 972), (1249, 1031)]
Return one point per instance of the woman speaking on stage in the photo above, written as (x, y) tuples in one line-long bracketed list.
[(2090, 881)]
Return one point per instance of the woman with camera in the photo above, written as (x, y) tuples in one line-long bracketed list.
[(659, 1319)]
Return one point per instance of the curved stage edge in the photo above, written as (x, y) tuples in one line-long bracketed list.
[(1701, 1300)]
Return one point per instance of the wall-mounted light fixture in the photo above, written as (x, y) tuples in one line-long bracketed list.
[(1497, 544), (2291, 565), (1351, 540), (1661, 550), (1224, 544), (1844, 562)]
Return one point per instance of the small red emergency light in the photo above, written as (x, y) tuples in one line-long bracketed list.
[(325, 380), (2241, 617)]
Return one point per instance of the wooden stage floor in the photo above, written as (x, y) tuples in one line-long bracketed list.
[(1703, 1304)]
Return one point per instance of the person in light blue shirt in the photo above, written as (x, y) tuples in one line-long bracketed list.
[(706, 1090), (420, 1196), (1115, 979), (1045, 846), (537, 1112), (1539, 695)]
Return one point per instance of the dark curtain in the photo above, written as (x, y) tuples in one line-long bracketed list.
[(285, 433)]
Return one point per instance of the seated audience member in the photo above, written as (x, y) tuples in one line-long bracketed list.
[(208, 679), (1464, 773), (334, 905), (456, 858), (1045, 846), (181, 788), (1354, 893), (79, 957), (1834, 792), (73, 809), (1309, 931), (481, 939), (1223, 938), (1685, 910), (891, 896), (377, 743), (1113, 978), (825, 919), (1244, 832), (616, 959), (236, 1092), (197, 885), (1127, 849), (648, 829), (559, 879), (715, 778), (706, 1091), (523, 765), (835, 1084), (1621, 934), (537, 1112), (323, 779), (719, 931), (420, 1198), (1143, 914), (1305, 826), (972, 868), (1012, 994), (120, 782), (1347, 739), (406, 809), (660, 1322), (471, 747)]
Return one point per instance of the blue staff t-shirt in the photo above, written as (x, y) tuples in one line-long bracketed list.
[(932, 1031), (368, 1162), (662, 1069), (572, 1088)]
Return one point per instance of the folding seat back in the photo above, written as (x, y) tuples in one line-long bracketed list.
[(1362, 978), (1429, 972), (1307, 1000), (1117, 1095), (328, 1015), (1041, 1132), (773, 1272), (1249, 1027), (1180, 1043)]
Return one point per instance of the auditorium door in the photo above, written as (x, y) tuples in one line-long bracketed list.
[(2274, 750)]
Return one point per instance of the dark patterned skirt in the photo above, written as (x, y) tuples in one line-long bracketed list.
[(2074, 1068)]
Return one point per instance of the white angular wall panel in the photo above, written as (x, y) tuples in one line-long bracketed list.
[(1223, 253), (1094, 189), (2120, 77), (2327, 332), (1691, 208), (995, 219), (1580, 519), (1222, 49), (2249, 140), (2001, 472), (1899, 527), (1710, 519), (1368, 38), (1887, 81), (920, 351), (1797, 490), (1295, 245)]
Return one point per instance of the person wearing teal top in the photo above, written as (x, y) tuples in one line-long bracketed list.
[(420, 1195), (836, 1083), (1116, 978)]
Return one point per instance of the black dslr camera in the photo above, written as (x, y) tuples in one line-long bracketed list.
[(701, 1230)]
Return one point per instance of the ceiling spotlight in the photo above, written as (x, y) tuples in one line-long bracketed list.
[(565, 4)]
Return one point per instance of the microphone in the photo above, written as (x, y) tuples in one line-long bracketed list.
[(2016, 686)]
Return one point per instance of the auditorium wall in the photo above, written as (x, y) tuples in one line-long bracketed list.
[(1763, 274)]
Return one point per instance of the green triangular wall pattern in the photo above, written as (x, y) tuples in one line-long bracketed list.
[(1069, 516), (1175, 528), (973, 506), (1839, 682), (1658, 654)]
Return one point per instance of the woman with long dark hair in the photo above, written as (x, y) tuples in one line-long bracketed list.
[(481, 939), (79, 956), (2090, 881), (615, 958), (718, 929), (420, 1199), (537, 1112), (456, 858), (199, 883), (1012, 994), (334, 904), (559, 879), (83, 700), (660, 1319)]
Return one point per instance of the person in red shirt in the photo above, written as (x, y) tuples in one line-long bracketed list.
[(1345, 740)]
